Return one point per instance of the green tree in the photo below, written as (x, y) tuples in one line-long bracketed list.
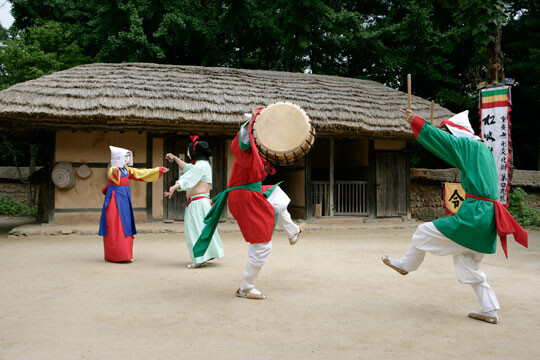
[(36, 51)]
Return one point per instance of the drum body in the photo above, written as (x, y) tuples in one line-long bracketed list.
[(283, 133)]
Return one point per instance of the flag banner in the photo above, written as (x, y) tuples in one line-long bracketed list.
[(453, 195), (495, 132)]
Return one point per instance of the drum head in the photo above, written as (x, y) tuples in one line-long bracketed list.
[(282, 127)]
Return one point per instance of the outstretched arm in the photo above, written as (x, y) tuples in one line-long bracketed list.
[(171, 157), (450, 148)]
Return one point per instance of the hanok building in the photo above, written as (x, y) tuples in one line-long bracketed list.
[(359, 165)]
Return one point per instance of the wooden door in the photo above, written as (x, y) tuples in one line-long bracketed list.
[(391, 182), (174, 208)]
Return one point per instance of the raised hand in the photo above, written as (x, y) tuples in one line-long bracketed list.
[(409, 115)]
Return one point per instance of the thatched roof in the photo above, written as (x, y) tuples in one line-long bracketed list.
[(153, 97)]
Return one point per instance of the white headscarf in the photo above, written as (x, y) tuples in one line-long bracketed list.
[(460, 126), (118, 156)]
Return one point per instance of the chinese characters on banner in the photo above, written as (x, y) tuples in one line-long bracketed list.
[(453, 195), (495, 132)]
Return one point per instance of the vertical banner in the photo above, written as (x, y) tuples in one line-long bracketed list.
[(495, 132)]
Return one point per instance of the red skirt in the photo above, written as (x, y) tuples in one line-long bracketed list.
[(117, 246)]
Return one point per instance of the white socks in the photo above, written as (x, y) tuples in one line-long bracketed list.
[(248, 282)]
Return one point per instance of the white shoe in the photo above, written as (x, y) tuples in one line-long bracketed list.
[(253, 294)]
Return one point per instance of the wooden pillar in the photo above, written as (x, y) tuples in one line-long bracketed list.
[(52, 160), (149, 143), (331, 185), (372, 180), (408, 179), (307, 187)]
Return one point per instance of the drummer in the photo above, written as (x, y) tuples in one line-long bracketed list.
[(256, 208)]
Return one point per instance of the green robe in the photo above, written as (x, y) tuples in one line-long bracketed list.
[(474, 224)]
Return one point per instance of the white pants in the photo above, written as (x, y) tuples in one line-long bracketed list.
[(259, 253), (466, 262), (280, 201)]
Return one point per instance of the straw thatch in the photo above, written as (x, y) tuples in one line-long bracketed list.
[(153, 97)]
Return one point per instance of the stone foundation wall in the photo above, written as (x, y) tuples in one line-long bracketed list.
[(426, 190), (16, 191), (426, 201)]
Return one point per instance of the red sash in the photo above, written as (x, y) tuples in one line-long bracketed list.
[(506, 224), (198, 198)]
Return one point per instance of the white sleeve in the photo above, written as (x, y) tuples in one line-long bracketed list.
[(191, 177), (244, 135)]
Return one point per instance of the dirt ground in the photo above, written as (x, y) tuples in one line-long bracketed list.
[(329, 297)]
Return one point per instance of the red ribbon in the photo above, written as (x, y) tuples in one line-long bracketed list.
[(197, 198), (193, 139), (450, 123), (506, 224)]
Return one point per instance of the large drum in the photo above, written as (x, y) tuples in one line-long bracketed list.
[(283, 133)]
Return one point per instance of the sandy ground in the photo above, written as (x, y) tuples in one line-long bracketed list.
[(329, 297)]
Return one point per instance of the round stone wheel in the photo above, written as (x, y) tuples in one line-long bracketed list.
[(63, 176), (84, 171)]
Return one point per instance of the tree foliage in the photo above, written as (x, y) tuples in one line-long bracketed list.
[(447, 46)]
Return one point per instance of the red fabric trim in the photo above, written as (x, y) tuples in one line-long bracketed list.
[(417, 125), (506, 224), (495, 104), (450, 123), (197, 198)]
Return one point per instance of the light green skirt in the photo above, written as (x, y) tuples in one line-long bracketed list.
[(193, 226)]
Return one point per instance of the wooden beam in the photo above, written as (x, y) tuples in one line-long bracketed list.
[(331, 186), (149, 214), (307, 187), (52, 159)]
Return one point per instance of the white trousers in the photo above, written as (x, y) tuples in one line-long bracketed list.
[(259, 253), (466, 262), (280, 201)]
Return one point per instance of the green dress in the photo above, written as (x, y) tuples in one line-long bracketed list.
[(474, 224), (196, 211)]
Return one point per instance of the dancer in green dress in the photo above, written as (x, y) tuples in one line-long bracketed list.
[(196, 180)]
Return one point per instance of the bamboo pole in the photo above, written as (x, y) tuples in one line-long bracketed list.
[(409, 91), (431, 116)]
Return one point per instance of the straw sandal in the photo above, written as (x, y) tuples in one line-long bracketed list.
[(249, 295), (196, 266), (302, 228), (482, 317), (386, 260)]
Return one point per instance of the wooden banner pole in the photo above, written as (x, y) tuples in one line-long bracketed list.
[(431, 117), (409, 90)]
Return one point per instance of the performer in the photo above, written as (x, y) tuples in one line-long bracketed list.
[(472, 232), (256, 208), (117, 225), (196, 180)]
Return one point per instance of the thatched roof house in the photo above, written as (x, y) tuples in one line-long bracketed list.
[(142, 96), (359, 165)]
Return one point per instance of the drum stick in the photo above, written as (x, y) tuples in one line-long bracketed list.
[(431, 117), (409, 90)]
